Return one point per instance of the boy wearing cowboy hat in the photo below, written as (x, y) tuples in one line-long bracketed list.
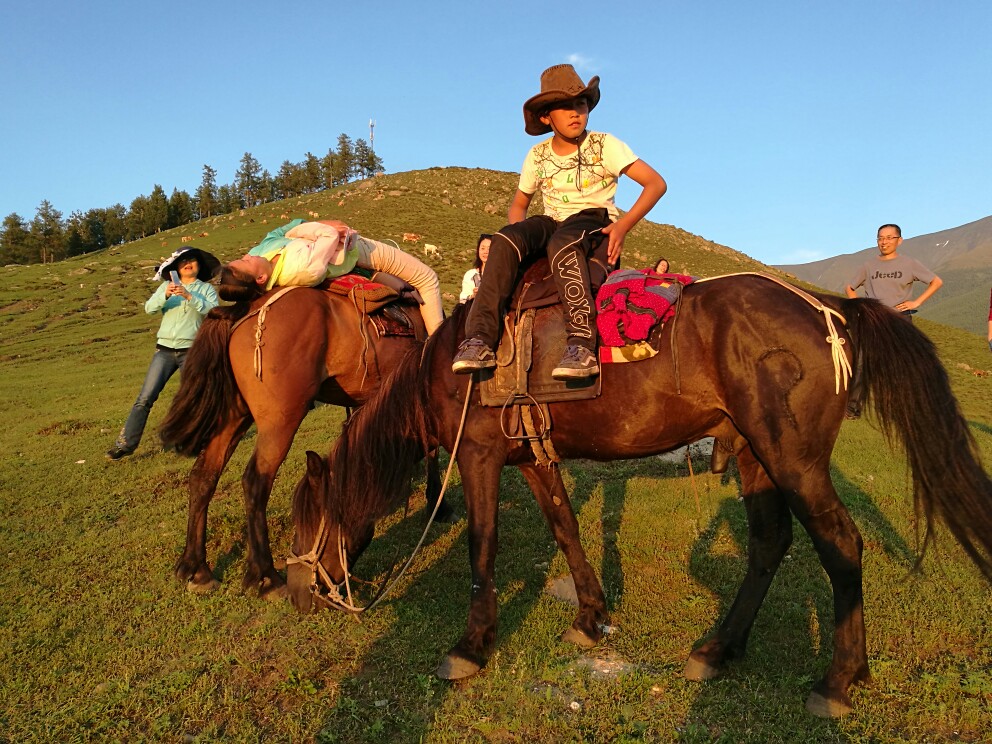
[(183, 306), (577, 172)]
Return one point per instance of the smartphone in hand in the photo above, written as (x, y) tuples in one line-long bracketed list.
[(174, 277)]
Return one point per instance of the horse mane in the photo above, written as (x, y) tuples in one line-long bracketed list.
[(207, 388), (371, 463)]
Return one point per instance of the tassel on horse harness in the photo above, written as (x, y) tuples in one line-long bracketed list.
[(260, 325)]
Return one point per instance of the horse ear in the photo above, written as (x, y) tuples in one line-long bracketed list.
[(316, 467)]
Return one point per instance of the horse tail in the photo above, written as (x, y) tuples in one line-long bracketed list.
[(371, 463), (207, 391), (910, 393)]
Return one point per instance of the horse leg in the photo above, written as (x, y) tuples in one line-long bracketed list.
[(480, 482), (192, 566), (432, 492), (546, 483), (275, 436), (769, 537), (839, 546)]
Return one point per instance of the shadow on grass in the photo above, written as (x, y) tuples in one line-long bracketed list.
[(431, 615)]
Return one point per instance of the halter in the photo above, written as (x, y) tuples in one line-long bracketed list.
[(329, 594)]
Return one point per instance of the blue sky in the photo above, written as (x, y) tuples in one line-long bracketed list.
[(786, 130)]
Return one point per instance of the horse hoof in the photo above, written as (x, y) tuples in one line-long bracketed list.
[(207, 587), (699, 671), (825, 708), (278, 593), (455, 667), (578, 638)]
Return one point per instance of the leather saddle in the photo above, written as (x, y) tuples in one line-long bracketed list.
[(533, 342)]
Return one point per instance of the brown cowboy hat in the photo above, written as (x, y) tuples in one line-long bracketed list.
[(558, 84)]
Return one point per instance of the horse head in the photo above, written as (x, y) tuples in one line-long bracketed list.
[(325, 545)]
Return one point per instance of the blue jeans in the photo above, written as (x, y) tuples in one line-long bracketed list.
[(165, 363)]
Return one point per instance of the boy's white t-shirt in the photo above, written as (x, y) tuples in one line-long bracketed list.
[(598, 163)]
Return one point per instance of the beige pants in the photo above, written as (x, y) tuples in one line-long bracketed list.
[(383, 257)]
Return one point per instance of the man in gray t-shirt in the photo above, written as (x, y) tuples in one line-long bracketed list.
[(889, 277)]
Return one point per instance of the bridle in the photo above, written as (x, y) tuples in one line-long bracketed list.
[(322, 587)]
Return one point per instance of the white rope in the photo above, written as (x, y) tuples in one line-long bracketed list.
[(842, 367)]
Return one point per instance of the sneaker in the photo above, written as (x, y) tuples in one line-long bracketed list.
[(577, 363), (472, 354), (118, 453)]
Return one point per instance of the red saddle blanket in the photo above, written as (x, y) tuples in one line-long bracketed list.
[(631, 302)]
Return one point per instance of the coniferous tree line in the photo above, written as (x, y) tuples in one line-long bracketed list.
[(48, 237)]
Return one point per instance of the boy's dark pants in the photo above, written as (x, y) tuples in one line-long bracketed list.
[(569, 245)]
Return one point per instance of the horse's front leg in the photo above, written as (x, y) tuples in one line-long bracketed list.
[(192, 566), (546, 483), (480, 483), (270, 451)]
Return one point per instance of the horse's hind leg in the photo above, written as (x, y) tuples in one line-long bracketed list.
[(192, 566), (550, 492), (838, 544), (769, 537)]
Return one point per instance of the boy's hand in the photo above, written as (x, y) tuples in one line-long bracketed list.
[(616, 233)]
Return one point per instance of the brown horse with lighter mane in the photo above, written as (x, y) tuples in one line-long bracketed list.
[(745, 361), (314, 346)]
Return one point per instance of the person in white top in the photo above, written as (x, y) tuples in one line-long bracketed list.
[(577, 172), (473, 277)]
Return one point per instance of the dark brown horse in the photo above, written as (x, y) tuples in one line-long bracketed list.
[(315, 346), (745, 361)]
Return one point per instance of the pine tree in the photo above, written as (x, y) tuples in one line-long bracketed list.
[(246, 180), (344, 161), (137, 221), (327, 168), (15, 241), (114, 221), (206, 194), (48, 233), (310, 170), (180, 208), (158, 211), (367, 163)]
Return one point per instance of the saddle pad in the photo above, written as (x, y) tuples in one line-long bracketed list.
[(631, 303), (528, 352)]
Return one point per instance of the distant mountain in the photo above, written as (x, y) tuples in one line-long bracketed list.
[(961, 256)]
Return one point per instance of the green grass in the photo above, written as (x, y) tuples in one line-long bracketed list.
[(98, 641)]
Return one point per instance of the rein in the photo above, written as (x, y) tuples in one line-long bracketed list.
[(842, 367), (333, 598)]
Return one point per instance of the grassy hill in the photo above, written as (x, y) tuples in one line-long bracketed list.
[(99, 642)]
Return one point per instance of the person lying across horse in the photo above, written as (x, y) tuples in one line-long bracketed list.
[(306, 253)]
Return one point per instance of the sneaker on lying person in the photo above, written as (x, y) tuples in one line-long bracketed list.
[(473, 354), (577, 363)]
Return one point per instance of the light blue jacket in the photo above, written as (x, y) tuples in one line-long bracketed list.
[(181, 318)]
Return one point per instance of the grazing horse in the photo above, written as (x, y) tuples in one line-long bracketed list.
[(745, 361), (314, 346)]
